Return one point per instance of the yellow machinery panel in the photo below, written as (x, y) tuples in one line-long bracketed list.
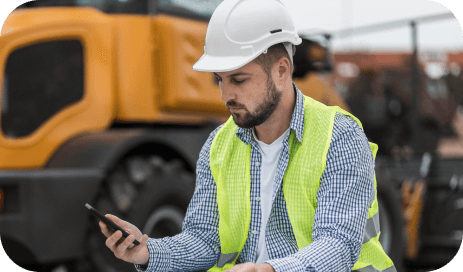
[(95, 35), (181, 44), (150, 81)]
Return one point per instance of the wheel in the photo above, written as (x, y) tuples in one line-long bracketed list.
[(148, 192), (391, 222)]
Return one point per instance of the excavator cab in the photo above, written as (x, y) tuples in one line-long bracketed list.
[(313, 55)]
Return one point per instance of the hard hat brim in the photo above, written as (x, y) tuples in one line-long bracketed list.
[(221, 64)]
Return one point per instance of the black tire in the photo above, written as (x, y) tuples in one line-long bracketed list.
[(391, 222), (149, 193)]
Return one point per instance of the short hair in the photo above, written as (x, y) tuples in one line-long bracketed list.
[(274, 53)]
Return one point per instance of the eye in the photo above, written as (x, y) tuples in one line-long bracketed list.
[(238, 82)]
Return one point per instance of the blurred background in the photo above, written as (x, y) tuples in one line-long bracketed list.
[(100, 105)]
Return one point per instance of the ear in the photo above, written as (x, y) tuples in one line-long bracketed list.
[(283, 71)]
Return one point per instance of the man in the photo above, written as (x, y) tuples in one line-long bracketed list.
[(286, 184)]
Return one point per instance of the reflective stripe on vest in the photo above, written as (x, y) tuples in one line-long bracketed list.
[(372, 228), (230, 161)]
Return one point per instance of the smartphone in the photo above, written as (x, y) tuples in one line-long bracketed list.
[(109, 223)]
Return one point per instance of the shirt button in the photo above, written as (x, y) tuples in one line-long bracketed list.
[(257, 163), (255, 232), (258, 198)]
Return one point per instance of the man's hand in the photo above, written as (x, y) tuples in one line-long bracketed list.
[(123, 248), (251, 267)]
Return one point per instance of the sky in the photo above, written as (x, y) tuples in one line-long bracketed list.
[(333, 15)]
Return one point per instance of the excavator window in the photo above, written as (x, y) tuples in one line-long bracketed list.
[(40, 80)]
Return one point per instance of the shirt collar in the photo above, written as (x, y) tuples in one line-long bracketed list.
[(297, 120)]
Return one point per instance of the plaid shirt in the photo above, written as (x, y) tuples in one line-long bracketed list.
[(345, 194)]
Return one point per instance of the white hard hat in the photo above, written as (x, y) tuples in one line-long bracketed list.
[(241, 30)]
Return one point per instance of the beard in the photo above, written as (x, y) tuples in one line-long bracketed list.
[(263, 111)]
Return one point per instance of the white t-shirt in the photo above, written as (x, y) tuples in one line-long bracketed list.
[(270, 156)]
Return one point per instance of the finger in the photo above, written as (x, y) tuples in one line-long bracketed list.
[(142, 241), (131, 245), (122, 248), (105, 230), (121, 223), (129, 241), (129, 232), (134, 250), (112, 240)]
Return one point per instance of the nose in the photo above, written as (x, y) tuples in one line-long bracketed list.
[(227, 92)]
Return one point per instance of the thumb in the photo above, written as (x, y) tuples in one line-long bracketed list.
[(121, 223)]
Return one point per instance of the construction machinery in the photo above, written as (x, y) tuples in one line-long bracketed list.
[(410, 115), (100, 105), (414, 165)]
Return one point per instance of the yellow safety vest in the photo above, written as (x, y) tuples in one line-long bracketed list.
[(230, 161)]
